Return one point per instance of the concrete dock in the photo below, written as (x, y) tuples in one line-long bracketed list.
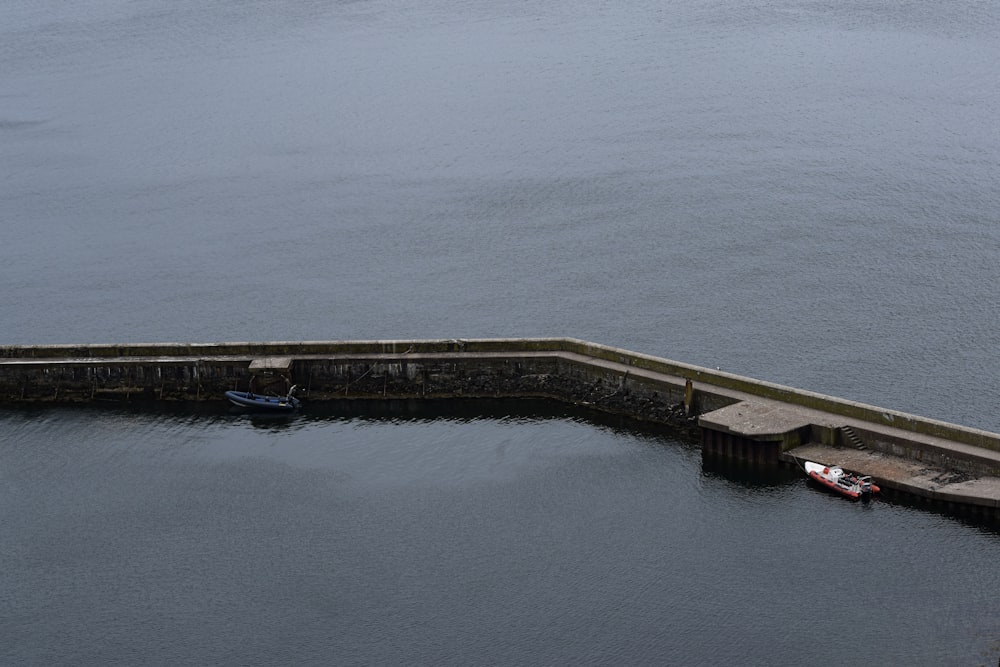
[(948, 489), (738, 418)]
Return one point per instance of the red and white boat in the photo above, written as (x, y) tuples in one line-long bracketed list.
[(845, 483)]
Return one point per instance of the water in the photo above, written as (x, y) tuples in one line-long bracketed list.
[(799, 191), (520, 539)]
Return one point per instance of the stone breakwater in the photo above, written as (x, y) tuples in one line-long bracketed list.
[(544, 368), (738, 418)]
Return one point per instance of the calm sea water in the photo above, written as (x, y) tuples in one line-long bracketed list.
[(213, 538), (801, 191)]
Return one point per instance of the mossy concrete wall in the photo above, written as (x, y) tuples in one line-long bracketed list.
[(607, 378)]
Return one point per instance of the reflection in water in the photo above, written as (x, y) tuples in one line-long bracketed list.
[(745, 474), (271, 422), (376, 539)]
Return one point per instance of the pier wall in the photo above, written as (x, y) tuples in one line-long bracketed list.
[(564, 369), (602, 377)]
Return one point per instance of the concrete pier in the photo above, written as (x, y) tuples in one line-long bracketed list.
[(738, 418)]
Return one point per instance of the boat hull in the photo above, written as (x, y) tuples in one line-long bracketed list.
[(251, 401)]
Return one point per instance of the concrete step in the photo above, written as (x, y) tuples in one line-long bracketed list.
[(852, 438)]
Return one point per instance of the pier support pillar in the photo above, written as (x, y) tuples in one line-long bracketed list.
[(752, 432)]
